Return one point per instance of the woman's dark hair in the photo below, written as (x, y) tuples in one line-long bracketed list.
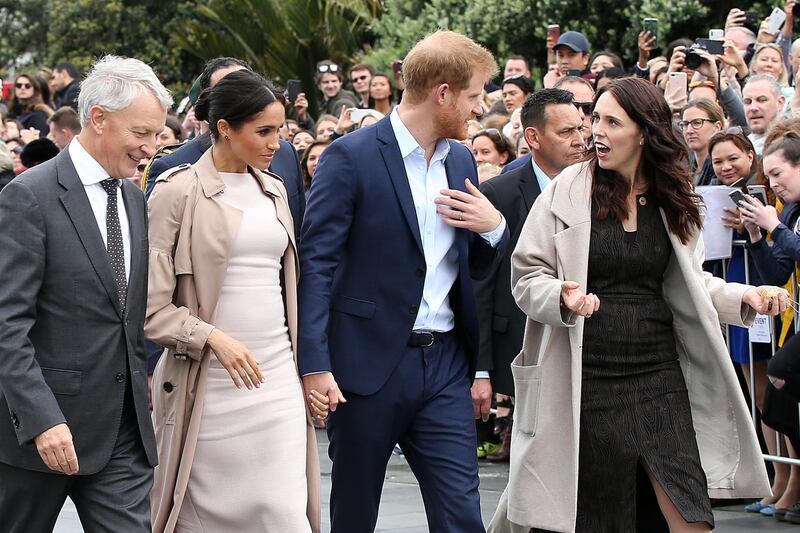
[(740, 140), (304, 161), (175, 125), (615, 59), (237, 98), (499, 141), (611, 73), (38, 102), (664, 165), (371, 101)]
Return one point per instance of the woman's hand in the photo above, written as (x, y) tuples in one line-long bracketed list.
[(767, 300), (754, 212), (573, 298), (318, 404), (764, 36), (753, 230), (647, 43), (237, 360), (301, 106), (736, 17), (345, 123), (733, 219), (678, 59)]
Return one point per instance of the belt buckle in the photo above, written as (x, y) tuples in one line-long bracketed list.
[(430, 334)]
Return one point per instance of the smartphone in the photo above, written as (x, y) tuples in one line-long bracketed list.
[(397, 66), (716, 35), (357, 115), (675, 92), (759, 192), (713, 46), (293, 90), (554, 32), (776, 20), (651, 24), (751, 19), (736, 196), (740, 184), (574, 72), (182, 106)]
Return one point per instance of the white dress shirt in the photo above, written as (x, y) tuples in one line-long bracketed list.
[(91, 173), (543, 179), (438, 239)]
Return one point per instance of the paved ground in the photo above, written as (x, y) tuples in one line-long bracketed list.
[(402, 509)]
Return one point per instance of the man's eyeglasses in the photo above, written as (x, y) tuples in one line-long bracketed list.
[(23, 85), (354, 79), (328, 68), (586, 107), (695, 123)]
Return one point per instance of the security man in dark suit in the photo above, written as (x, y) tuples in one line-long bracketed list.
[(552, 128)]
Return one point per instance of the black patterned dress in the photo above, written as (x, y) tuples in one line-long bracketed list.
[(635, 410)]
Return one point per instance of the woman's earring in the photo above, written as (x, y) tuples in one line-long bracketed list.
[(227, 138), (641, 142)]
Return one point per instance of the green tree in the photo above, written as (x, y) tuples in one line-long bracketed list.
[(520, 26), (23, 31), (283, 40)]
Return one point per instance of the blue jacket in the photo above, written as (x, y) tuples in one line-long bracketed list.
[(775, 263), (362, 267)]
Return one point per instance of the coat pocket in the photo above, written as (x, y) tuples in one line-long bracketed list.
[(64, 382), (353, 306), (527, 392)]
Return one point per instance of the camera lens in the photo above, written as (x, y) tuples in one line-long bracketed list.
[(693, 60)]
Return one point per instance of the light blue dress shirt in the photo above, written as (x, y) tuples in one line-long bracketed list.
[(438, 239)]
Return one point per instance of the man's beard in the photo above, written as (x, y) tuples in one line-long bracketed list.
[(450, 125)]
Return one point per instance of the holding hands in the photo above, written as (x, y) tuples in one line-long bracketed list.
[(322, 394)]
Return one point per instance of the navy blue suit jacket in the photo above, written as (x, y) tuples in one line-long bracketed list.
[(362, 267), (285, 164)]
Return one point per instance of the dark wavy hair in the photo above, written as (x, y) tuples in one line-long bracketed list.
[(665, 161)]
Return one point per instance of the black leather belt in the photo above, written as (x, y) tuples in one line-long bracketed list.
[(424, 339)]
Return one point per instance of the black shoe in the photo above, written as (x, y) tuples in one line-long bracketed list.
[(780, 514), (793, 514)]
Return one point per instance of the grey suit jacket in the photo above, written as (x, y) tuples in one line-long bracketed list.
[(66, 347)]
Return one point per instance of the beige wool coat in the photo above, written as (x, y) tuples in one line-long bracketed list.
[(554, 247), (191, 233)]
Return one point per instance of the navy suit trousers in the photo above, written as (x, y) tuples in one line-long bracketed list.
[(426, 407)]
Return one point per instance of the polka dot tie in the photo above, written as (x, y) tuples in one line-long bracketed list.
[(114, 246)]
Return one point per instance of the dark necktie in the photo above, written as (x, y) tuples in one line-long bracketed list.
[(114, 246)]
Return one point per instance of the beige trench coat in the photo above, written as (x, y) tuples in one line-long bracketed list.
[(191, 233), (553, 247)]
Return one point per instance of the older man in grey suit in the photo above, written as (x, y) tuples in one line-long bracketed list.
[(73, 289)]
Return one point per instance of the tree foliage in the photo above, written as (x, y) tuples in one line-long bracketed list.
[(520, 26), (45, 32), (283, 40)]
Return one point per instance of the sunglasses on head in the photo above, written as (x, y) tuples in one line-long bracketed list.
[(23, 85), (586, 107), (328, 68)]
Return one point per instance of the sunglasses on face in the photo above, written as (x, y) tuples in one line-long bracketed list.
[(328, 68), (586, 107), (23, 85), (359, 78)]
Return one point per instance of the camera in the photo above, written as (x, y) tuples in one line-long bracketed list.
[(694, 59)]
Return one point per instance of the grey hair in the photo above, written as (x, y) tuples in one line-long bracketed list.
[(114, 82), (774, 86)]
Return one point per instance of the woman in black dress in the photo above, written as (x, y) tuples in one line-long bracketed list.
[(636, 419)]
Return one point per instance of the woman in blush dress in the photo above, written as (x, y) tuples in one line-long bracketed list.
[(236, 444)]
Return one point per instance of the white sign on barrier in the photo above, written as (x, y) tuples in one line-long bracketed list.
[(760, 330)]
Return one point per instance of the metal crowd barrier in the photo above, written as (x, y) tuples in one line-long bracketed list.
[(779, 458)]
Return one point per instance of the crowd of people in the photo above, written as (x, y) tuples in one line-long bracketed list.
[(436, 262)]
